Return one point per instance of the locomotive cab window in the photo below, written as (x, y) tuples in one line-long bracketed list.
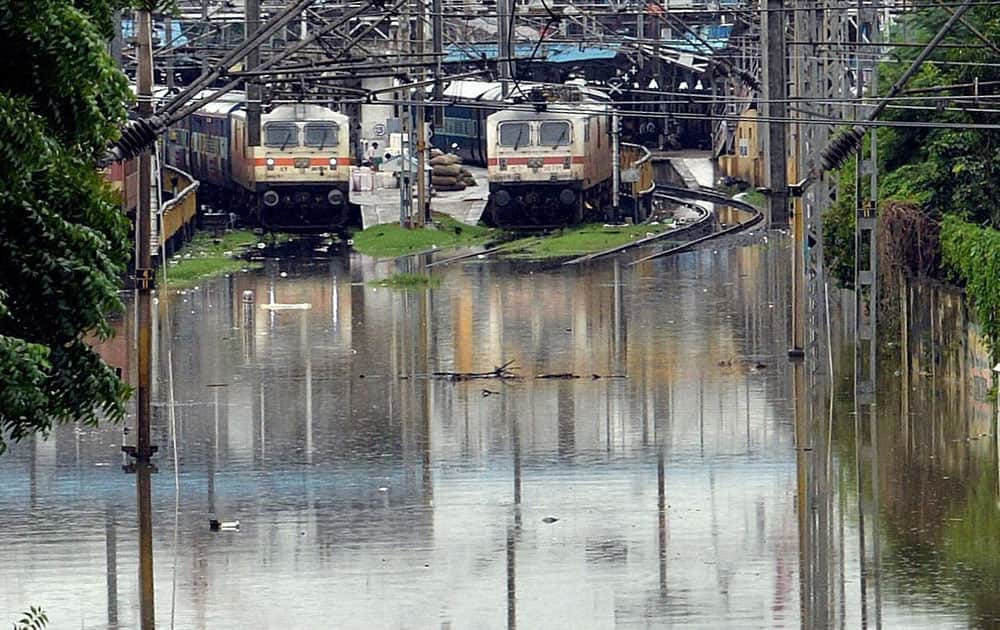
[(514, 134), (321, 134), (281, 135), (554, 134)]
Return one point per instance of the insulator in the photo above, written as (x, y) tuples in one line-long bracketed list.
[(136, 136), (834, 154)]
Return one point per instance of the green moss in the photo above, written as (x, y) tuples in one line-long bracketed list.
[(206, 256), (972, 253), (585, 239), (388, 240), (407, 281)]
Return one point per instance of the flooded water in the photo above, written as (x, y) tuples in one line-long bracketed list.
[(664, 486)]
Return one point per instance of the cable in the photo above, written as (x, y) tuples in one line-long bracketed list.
[(834, 154), (567, 109)]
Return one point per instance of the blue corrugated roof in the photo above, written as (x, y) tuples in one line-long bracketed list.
[(551, 53)]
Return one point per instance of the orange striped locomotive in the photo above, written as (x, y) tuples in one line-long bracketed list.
[(548, 164), (297, 179)]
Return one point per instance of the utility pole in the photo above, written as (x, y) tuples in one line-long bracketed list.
[(252, 86), (772, 31), (420, 218), (116, 39), (204, 42), (616, 164), (143, 451), (504, 9), (168, 50), (437, 26), (405, 189)]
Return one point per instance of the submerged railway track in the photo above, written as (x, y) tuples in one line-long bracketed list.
[(696, 230)]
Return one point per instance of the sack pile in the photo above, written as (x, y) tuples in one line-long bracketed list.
[(447, 172)]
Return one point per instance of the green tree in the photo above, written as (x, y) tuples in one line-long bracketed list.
[(63, 241)]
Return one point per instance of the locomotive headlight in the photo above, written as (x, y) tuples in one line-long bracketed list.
[(335, 197), (270, 163), (333, 162)]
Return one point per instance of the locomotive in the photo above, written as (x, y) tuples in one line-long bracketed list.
[(471, 101), (297, 180), (549, 164)]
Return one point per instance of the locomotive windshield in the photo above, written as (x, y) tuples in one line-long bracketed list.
[(321, 134), (281, 135), (514, 134), (553, 134)]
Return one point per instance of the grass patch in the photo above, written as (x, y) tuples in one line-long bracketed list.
[(407, 281), (755, 198), (388, 240), (585, 239), (205, 256)]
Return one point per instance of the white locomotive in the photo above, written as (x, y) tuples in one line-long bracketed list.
[(549, 164), (296, 180)]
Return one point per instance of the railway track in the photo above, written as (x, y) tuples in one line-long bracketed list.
[(674, 194), (679, 194)]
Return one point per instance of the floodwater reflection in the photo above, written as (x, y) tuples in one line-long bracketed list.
[(668, 482)]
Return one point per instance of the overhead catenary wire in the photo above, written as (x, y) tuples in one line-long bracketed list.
[(817, 120), (175, 109)]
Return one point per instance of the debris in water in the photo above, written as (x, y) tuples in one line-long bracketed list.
[(498, 372), (549, 519), (383, 489), (223, 526), (489, 392)]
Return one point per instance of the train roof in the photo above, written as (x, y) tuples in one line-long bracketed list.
[(298, 112), (492, 91), (552, 111)]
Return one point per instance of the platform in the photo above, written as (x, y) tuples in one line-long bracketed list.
[(381, 204)]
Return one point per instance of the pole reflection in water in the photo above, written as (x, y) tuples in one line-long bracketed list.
[(111, 556), (511, 578), (147, 613), (306, 349), (413, 511)]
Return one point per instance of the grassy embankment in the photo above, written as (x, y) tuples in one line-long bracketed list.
[(389, 240), (755, 198), (585, 239), (205, 256)]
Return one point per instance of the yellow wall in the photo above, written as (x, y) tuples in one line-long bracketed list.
[(748, 160)]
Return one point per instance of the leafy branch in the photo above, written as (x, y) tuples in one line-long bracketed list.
[(32, 619)]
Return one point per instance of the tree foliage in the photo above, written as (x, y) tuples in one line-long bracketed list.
[(64, 240), (948, 171), (32, 619), (941, 171), (973, 254)]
